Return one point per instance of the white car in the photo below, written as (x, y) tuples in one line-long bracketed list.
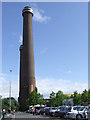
[(82, 113), (73, 111), (52, 111), (88, 115)]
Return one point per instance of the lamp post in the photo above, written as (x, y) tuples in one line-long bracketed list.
[(10, 94), (0, 106)]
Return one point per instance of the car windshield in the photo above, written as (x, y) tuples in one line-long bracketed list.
[(78, 107), (75, 108), (47, 108), (62, 108), (81, 108), (53, 108)]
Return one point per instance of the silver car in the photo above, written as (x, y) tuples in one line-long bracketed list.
[(52, 111), (73, 111), (82, 113), (88, 115)]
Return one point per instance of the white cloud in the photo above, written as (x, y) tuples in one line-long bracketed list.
[(20, 39), (5, 86), (46, 86), (39, 15), (44, 50)]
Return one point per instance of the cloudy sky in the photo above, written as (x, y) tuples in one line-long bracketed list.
[(60, 34)]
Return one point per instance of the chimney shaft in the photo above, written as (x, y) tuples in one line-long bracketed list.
[(27, 74)]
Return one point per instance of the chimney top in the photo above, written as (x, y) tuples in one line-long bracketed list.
[(27, 9)]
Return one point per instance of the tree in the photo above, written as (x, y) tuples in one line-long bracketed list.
[(84, 96), (59, 94), (77, 98), (56, 98), (14, 104), (35, 98), (52, 95), (41, 100), (59, 98), (52, 99)]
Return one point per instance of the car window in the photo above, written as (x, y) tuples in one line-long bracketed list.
[(81, 108), (78, 108), (74, 108), (62, 108), (53, 108)]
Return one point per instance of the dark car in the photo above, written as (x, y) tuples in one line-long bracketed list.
[(57, 112), (47, 109), (63, 111), (42, 111)]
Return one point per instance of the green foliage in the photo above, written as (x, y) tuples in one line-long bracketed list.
[(78, 99), (89, 95), (35, 98), (56, 99), (81, 99), (59, 97), (14, 104), (52, 98), (52, 95), (84, 96)]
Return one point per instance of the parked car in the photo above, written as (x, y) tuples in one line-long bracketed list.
[(57, 112), (82, 113), (47, 110), (52, 111), (77, 112), (63, 111), (39, 109), (42, 111), (88, 112), (73, 111)]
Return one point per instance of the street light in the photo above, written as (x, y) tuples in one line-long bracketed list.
[(10, 94)]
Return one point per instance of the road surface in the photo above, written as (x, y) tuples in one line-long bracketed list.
[(25, 116)]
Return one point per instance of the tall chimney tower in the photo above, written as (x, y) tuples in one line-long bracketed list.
[(27, 74)]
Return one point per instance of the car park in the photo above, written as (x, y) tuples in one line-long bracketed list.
[(69, 112)]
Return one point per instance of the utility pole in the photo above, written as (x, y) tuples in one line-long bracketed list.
[(10, 94)]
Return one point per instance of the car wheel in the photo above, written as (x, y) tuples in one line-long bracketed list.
[(64, 116), (78, 117)]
